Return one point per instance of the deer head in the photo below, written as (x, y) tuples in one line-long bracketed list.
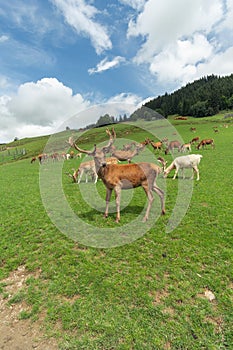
[(99, 154)]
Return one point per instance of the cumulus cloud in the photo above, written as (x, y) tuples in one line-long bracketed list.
[(38, 108), (106, 65), (181, 41), (178, 61), (48, 106), (81, 16), (162, 23)]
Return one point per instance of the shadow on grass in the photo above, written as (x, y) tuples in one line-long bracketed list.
[(94, 215)]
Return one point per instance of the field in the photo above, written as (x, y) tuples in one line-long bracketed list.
[(119, 286)]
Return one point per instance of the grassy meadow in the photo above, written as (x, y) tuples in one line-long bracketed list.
[(149, 294)]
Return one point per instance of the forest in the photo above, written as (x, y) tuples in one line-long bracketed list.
[(204, 97)]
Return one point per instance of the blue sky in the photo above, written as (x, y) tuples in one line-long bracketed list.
[(60, 57)]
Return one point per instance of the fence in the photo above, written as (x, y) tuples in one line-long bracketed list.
[(11, 154)]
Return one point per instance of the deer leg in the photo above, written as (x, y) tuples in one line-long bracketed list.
[(80, 176), (117, 190), (160, 193), (183, 173), (108, 197), (176, 171), (96, 178), (195, 168), (150, 201)]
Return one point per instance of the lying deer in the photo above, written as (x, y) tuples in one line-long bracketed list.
[(124, 176)]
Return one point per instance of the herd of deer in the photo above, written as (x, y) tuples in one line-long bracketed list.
[(117, 177)]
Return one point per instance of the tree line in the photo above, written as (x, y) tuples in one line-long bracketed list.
[(204, 97)]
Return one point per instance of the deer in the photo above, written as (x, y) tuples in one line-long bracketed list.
[(185, 147), (117, 177), (194, 140), (89, 168), (163, 162), (172, 145), (156, 145), (183, 162), (126, 155), (205, 142), (128, 146)]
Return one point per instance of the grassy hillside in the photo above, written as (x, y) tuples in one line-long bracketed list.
[(149, 294)]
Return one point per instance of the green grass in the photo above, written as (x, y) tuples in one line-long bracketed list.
[(145, 295)]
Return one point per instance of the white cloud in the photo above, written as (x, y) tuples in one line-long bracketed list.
[(126, 98), (80, 15), (181, 42), (3, 38), (48, 106), (106, 65), (220, 64), (162, 23), (38, 108), (135, 4), (178, 61)]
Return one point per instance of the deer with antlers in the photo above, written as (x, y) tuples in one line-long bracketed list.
[(119, 177), (126, 155)]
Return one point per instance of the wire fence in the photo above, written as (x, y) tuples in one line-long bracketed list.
[(7, 155)]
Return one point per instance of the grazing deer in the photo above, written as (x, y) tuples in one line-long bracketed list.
[(183, 162), (124, 176), (185, 147), (163, 162), (172, 145), (85, 168), (205, 142), (195, 139), (88, 168)]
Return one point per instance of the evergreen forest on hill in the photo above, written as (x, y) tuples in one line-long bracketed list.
[(204, 97)]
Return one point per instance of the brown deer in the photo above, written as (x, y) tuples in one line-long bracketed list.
[(206, 142), (124, 176), (89, 168), (195, 139), (126, 155), (185, 147), (163, 162), (172, 145), (156, 145)]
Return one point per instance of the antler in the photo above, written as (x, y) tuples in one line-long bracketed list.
[(112, 137), (106, 149), (72, 144)]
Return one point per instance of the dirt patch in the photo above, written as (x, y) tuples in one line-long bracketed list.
[(18, 334)]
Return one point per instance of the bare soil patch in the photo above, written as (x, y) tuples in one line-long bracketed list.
[(18, 334)]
